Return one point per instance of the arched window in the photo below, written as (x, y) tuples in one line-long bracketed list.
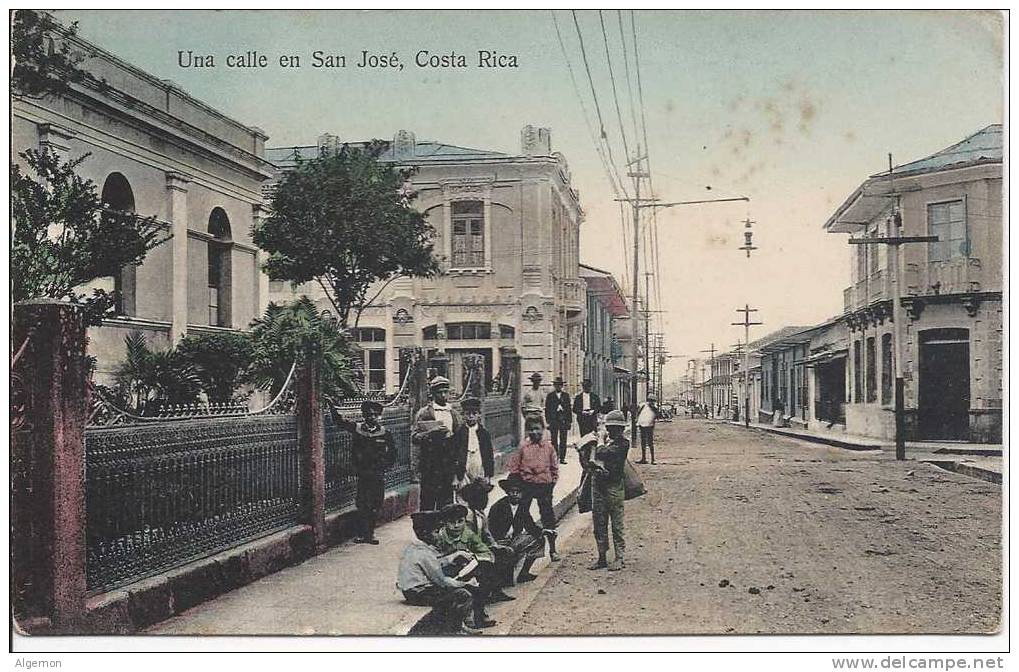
[(219, 267), (117, 195)]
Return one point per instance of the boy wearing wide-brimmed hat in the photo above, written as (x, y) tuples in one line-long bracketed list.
[(606, 462), (512, 525), (372, 452), (433, 462)]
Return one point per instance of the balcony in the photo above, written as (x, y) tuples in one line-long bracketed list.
[(955, 276), (572, 297)]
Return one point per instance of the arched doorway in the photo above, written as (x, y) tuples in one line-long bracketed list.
[(219, 267), (117, 195)]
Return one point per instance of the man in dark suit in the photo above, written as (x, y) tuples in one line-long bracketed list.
[(558, 416), (512, 525), (586, 407)]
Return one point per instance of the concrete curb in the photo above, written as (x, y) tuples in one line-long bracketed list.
[(813, 438), (967, 470)]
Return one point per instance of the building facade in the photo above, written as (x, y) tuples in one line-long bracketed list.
[(602, 354), (156, 151), (507, 231), (952, 295)]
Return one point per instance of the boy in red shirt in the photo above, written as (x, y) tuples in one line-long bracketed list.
[(537, 465)]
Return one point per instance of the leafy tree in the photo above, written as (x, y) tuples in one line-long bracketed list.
[(345, 220), (150, 378), (220, 361), (64, 237), (298, 332), (38, 68)]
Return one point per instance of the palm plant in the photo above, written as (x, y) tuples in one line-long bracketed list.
[(149, 377), (298, 332)]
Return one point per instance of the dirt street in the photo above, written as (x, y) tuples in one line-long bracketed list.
[(746, 532)]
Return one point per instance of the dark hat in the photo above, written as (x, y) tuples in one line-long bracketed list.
[(476, 485), (586, 381), (425, 519), (511, 481), (370, 405), (437, 382), (535, 376), (453, 511), (615, 419), (470, 404), (558, 380)]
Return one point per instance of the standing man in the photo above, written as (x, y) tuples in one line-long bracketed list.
[(586, 407), (559, 417), (646, 417), (432, 434), (606, 462), (532, 402)]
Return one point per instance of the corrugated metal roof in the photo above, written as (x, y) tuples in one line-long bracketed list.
[(984, 146)]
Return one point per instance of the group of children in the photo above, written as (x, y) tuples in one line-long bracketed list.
[(462, 557)]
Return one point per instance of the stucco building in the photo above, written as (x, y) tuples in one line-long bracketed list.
[(156, 151), (507, 230), (603, 363), (952, 295)]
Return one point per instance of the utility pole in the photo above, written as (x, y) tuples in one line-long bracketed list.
[(711, 387), (746, 310), (894, 242), (637, 203)]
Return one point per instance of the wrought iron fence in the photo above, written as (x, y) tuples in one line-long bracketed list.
[(340, 480), (160, 495)]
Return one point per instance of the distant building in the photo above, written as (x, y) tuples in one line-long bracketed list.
[(602, 354), (159, 152), (952, 294), (507, 233)]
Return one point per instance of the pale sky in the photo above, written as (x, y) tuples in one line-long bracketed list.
[(793, 109)]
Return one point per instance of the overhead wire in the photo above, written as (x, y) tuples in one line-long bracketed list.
[(615, 95), (587, 121), (597, 107)]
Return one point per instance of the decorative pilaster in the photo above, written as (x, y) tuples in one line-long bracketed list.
[(55, 138), (177, 210), (258, 213)]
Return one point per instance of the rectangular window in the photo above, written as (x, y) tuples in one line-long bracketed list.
[(886, 369), (375, 366), (214, 306), (861, 262), (947, 221), (857, 373), (871, 370), (872, 255), (468, 234)]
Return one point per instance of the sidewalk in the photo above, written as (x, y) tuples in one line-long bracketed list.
[(349, 590), (978, 460)]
